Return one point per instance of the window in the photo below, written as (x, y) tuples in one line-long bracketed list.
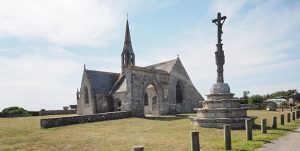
[(146, 102), (86, 93), (178, 92), (119, 106)]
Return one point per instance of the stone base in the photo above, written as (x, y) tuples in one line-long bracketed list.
[(236, 123)]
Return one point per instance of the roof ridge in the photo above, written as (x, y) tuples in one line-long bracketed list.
[(162, 62), (102, 71)]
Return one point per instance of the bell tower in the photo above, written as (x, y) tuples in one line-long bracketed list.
[(127, 56)]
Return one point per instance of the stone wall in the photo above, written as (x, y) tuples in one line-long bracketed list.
[(258, 106), (83, 107), (62, 121), (56, 112), (191, 97)]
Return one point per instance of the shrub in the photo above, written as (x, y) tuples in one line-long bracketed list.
[(284, 104), (0, 114), (13, 111), (34, 113), (255, 99)]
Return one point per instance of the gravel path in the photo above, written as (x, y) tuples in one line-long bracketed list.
[(291, 142)]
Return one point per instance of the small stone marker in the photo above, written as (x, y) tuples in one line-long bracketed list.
[(282, 119), (288, 117), (138, 148), (248, 124), (294, 116), (264, 126), (227, 136), (195, 140), (274, 122)]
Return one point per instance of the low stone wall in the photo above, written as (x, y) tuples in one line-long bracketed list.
[(56, 112), (62, 121), (18, 115), (261, 106)]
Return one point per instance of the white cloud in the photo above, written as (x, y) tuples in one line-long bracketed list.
[(67, 22), (34, 81), (257, 40)]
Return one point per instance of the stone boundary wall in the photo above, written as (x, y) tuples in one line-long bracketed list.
[(261, 106), (62, 121), (56, 112), (16, 115)]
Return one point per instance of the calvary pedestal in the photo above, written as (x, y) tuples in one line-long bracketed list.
[(220, 108)]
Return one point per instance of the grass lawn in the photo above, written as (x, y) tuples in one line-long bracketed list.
[(163, 133)]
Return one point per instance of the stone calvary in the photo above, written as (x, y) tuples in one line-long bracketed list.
[(220, 107)]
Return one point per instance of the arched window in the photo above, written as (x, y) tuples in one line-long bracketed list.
[(86, 93), (178, 92), (119, 106), (146, 102)]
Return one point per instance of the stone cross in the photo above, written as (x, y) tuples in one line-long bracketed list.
[(219, 21), (220, 58)]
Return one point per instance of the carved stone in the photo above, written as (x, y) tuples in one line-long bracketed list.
[(220, 107)]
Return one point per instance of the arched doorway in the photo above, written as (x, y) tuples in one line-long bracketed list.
[(150, 100)]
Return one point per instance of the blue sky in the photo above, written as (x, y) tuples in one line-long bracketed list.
[(44, 44)]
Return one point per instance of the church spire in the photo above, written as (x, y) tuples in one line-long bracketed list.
[(128, 57)]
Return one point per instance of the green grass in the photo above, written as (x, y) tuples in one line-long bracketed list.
[(164, 133)]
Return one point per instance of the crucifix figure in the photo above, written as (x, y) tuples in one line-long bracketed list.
[(219, 21), (220, 57)]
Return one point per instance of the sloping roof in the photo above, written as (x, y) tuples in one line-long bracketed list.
[(102, 82), (165, 66), (296, 96)]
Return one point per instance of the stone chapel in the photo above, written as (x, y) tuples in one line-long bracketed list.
[(158, 89)]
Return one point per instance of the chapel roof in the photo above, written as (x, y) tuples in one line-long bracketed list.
[(101, 82), (165, 66)]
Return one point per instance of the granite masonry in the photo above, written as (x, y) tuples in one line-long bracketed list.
[(57, 112), (220, 107), (63, 121), (163, 88)]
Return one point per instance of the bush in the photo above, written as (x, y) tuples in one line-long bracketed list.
[(13, 111), (0, 114), (255, 99), (34, 113), (284, 104)]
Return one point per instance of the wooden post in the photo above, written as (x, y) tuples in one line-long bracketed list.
[(264, 126), (195, 140), (227, 136), (248, 124), (138, 148), (288, 117), (291, 109), (274, 122), (294, 116), (282, 119)]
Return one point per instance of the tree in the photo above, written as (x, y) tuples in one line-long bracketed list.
[(283, 94), (245, 97), (255, 99), (13, 111)]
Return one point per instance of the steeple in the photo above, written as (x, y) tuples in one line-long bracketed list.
[(128, 57)]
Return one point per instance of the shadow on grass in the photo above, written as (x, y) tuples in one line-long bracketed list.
[(265, 141), (167, 118)]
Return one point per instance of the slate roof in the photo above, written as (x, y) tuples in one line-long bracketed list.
[(165, 66), (102, 82)]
